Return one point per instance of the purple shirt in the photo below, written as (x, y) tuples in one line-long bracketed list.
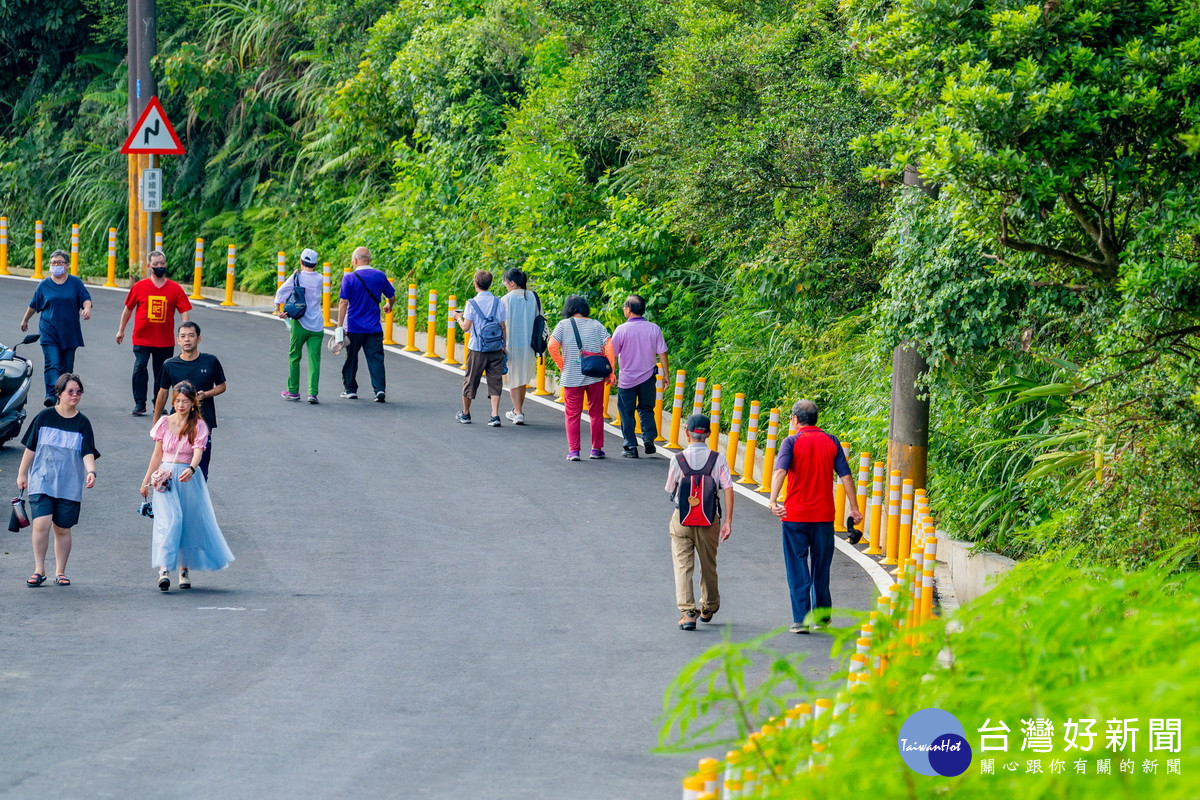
[(637, 343), (362, 313)]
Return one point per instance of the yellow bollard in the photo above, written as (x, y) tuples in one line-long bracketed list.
[(698, 396), (876, 538), (693, 787), (709, 769), (280, 272), (197, 270), (4, 246), (75, 250), (37, 250), (676, 409), (452, 338), (893, 519), (540, 389), (906, 519), (863, 488), (410, 345), (769, 453), (389, 322), (735, 431), (466, 345), (431, 331), (839, 497), (1098, 459), (158, 240), (607, 393), (660, 385), (327, 293), (927, 576), (751, 441), (714, 418), (112, 258), (230, 259)]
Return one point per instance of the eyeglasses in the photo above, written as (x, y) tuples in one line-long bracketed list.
[(73, 392), (58, 263)]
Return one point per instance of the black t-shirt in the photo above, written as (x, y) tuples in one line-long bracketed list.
[(203, 373), (59, 444)]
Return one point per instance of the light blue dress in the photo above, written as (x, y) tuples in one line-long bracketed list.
[(522, 308), (186, 533)]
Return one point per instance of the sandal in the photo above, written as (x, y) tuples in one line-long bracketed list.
[(36, 579), (62, 580)]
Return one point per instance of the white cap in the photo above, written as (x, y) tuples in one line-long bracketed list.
[(309, 257)]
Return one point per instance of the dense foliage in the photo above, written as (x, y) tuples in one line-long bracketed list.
[(738, 163)]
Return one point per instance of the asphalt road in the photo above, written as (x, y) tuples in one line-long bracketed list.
[(418, 608)]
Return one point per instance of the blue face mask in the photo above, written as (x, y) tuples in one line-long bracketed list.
[(58, 269)]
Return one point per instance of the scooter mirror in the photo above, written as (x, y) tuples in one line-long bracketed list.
[(31, 338)]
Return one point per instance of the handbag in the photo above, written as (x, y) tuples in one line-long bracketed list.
[(593, 365), (20, 514), (539, 339), (296, 305)]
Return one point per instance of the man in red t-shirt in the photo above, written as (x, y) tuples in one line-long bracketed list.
[(155, 301), (808, 458)]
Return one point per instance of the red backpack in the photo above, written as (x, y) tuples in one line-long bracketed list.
[(696, 494)]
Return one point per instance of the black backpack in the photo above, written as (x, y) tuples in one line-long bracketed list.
[(539, 339), (696, 494), (296, 305)]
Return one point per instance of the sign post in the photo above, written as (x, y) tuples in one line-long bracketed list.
[(151, 135)]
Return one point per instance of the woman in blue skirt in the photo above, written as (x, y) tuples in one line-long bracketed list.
[(186, 534)]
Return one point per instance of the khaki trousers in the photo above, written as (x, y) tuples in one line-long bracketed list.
[(687, 543)]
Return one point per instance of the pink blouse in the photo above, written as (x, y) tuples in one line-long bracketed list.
[(175, 447)]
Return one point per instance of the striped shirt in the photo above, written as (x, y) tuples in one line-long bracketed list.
[(592, 334)]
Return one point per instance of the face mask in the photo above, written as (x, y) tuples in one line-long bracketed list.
[(58, 269), (159, 271)]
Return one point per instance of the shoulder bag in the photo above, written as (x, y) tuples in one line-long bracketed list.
[(593, 365)]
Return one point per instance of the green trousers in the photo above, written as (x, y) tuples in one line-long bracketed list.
[(301, 338)]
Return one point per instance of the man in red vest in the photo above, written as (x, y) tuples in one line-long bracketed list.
[(808, 458)]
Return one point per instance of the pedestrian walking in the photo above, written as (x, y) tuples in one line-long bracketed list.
[(577, 337), (521, 306), (204, 373), (186, 534), (486, 316), (358, 322), (58, 464), (153, 303), (695, 479), (60, 300), (641, 352), (306, 332), (808, 458)]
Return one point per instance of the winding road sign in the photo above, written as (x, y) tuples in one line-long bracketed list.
[(153, 133)]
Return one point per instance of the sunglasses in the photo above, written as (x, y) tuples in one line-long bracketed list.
[(73, 392)]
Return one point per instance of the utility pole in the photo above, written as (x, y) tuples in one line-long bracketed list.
[(142, 17)]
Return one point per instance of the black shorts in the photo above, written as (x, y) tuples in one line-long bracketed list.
[(63, 513)]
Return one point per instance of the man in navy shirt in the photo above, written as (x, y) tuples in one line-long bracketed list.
[(358, 321)]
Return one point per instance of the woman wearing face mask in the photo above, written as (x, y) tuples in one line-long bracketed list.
[(59, 299), (186, 534)]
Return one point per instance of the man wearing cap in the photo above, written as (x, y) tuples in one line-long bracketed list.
[(808, 458), (308, 332), (689, 542)]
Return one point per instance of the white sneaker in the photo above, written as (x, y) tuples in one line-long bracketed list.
[(515, 418), (185, 580), (164, 579)]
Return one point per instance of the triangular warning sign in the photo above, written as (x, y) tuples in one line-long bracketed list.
[(153, 133)]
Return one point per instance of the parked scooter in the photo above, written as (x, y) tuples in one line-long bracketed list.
[(16, 373)]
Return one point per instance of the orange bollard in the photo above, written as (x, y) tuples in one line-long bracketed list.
[(75, 250), (327, 293), (751, 441), (893, 520), (839, 497), (876, 538), (37, 250), (4, 246), (676, 410), (112, 258), (659, 388), (906, 520)]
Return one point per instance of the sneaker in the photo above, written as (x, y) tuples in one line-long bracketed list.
[(798, 628), (185, 580), (596, 453), (649, 448), (629, 452), (572, 455), (515, 418), (139, 411), (349, 395), (312, 400), (494, 422), (286, 395), (465, 419), (688, 621), (706, 616), (164, 579), (380, 397)]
